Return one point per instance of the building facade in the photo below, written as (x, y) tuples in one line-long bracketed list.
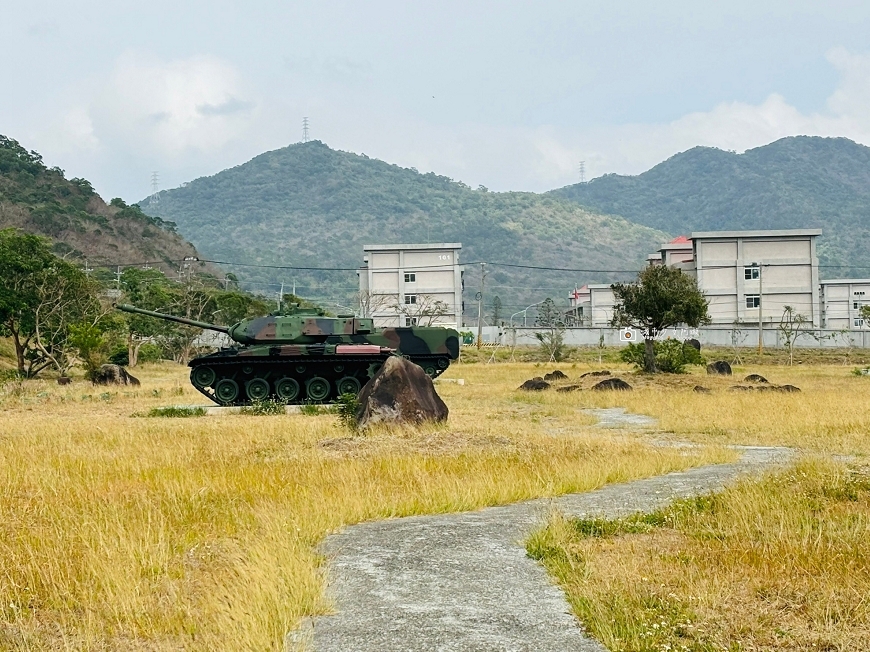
[(591, 305), (412, 284), (752, 275), (841, 303)]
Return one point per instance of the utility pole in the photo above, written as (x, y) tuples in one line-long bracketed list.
[(118, 278), (480, 305), (280, 296), (760, 310)]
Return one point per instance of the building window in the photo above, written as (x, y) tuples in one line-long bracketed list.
[(753, 300), (410, 299), (410, 321), (411, 277), (750, 273), (855, 305), (859, 323), (858, 294)]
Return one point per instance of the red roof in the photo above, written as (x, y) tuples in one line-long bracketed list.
[(679, 240)]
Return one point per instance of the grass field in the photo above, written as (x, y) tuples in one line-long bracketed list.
[(121, 532), (776, 563)]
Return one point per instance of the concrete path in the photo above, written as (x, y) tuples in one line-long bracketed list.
[(463, 582)]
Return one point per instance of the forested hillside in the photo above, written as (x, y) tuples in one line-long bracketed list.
[(796, 182), (42, 201), (307, 205)]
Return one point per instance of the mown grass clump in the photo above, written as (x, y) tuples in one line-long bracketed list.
[(174, 412), (263, 408), (781, 562)]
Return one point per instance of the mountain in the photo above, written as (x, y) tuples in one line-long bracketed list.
[(796, 182), (307, 205), (81, 226)]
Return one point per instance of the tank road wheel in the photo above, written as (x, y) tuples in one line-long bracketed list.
[(287, 389), (202, 377), (348, 385), (430, 370), (317, 388), (226, 391), (443, 363), (257, 389), (373, 369)]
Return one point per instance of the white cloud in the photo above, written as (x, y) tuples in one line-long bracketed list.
[(172, 109)]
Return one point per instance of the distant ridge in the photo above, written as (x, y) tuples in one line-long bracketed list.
[(81, 226), (795, 182), (309, 205)]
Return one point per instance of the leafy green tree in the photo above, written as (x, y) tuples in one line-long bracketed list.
[(660, 298), (41, 297)]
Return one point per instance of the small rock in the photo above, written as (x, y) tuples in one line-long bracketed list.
[(400, 392), (64, 380), (113, 374), (742, 388), (616, 384), (535, 384), (755, 378), (719, 368), (695, 344), (779, 388), (702, 390), (555, 375), (595, 373), (569, 388)]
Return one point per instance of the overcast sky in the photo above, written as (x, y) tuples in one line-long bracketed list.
[(511, 95)]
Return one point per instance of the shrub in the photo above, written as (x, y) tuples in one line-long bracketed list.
[(175, 412), (346, 407), (672, 356), (264, 408)]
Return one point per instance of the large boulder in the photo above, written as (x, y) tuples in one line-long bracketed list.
[(755, 378), (612, 384), (695, 344), (399, 393), (719, 368), (113, 374)]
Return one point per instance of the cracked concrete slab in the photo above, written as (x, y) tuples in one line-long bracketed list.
[(462, 582)]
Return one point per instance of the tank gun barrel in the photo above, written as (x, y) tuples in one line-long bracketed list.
[(181, 320)]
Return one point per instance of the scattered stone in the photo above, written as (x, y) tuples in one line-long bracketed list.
[(616, 384), (702, 390), (695, 344), (595, 373), (64, 380), (113, 374), (400, 393), (719, 368), (569, 388), (555, 375), (788, 388), (741, 388), (755, 378), (535, 384)]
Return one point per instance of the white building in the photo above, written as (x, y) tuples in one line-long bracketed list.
[(841, 302), (752, 275), (410, 284), (591, 305)]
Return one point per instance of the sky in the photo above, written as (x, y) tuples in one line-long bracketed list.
[(509, 95)]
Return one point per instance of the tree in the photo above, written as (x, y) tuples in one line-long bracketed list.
[(496, 310), (552, 321), (792, 326), (41, 296), (425, 310), (660, 298), (370, 302)]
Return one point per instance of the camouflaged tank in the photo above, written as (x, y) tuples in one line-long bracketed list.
[(297, 356)]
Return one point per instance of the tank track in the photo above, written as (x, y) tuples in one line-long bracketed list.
[(317, 379)]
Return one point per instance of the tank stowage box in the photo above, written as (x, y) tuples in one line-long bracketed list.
[(297, 356)]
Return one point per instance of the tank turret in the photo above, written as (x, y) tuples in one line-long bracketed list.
[(298, 356)]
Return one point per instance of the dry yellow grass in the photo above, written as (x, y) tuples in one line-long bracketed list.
[(121, 532), (781, 563)]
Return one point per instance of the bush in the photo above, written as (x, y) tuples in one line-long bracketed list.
[(346, 407), (672, 356), (175, 412), (264, 408)]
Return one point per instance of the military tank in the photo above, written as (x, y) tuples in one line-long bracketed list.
[(297, 356)]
